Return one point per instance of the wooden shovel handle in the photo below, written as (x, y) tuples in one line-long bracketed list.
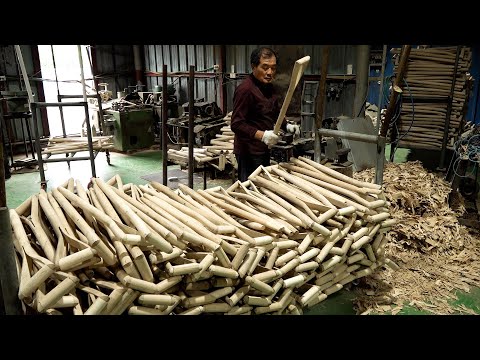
[(297, 73)]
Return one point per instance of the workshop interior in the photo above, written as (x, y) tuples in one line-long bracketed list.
[(120, 193)]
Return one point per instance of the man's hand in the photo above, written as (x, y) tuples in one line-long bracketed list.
[(269, 137), (294, 129)]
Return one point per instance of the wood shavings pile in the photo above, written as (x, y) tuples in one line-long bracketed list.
[(411, 188), (436, 255), (419, 202)]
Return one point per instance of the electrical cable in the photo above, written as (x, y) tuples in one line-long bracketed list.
[(411, 122), (363, 104), (466, 149)]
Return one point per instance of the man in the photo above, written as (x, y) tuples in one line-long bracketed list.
[(255, 111)]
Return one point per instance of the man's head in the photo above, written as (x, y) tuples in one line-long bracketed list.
[(264, 64)]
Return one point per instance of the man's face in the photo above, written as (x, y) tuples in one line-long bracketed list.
[(265, 71)]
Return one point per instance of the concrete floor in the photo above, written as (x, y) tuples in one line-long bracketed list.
[(133, 166)]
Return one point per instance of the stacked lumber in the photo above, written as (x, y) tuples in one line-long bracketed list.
[(284, 240), (61, 145), (429, 76)]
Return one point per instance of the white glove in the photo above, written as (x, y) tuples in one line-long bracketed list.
[(294, 129), (270, 138)]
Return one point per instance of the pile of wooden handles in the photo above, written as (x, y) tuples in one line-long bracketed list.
[(286, 239), (218, 153), (61, 145)]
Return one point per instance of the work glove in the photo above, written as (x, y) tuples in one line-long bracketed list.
[(270, 138), (294, 129)]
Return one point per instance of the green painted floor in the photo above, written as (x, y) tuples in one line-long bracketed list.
[(133, 166)]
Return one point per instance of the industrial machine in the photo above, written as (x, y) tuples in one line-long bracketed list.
[(207, 123), (288, 147), (462, 173), (132, 129)]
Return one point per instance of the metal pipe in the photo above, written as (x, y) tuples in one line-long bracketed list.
[(8, 268), (380, 160), (223, 89), (62, 119), (202, 75), (441, 165), (87, 115), (349, 135), (164, 124), (191, 119), (380, 95), (46, 104), (90, 144), (24, 73), (37, 69), (381, 140), (320, 104), (361, 83), (82, 75), (33, 107), (397, 86), (66, 159), (137, 59), (76, 96), (101, 119), (4, 132)]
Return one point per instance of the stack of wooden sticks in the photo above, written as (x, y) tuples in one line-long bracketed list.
[(284, 240), (429, 76)]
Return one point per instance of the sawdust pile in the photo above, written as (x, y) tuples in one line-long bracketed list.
[(435, 253)]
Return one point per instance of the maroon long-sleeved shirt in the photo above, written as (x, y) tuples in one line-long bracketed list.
[(255, 107)]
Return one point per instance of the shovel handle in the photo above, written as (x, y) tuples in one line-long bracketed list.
[(297, 73)]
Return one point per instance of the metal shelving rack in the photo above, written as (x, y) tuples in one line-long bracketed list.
[(37, 105), (101, 120), (68, 157), (437, 99)]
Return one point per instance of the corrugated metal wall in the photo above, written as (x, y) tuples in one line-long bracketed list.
[(115, 66), (179, 58)]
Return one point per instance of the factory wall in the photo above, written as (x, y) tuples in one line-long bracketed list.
[(13, 82), (178, 59), (115, 66)]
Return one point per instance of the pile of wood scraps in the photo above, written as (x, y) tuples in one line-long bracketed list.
[(286, 239), (435, 253)]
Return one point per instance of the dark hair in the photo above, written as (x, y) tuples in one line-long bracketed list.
[(262, 52)]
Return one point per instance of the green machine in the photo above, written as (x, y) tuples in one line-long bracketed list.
[(132, 129)]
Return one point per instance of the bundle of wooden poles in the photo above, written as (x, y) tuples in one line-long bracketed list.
[(284, 240), (218, 153), (61, 145), (429, 76)]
